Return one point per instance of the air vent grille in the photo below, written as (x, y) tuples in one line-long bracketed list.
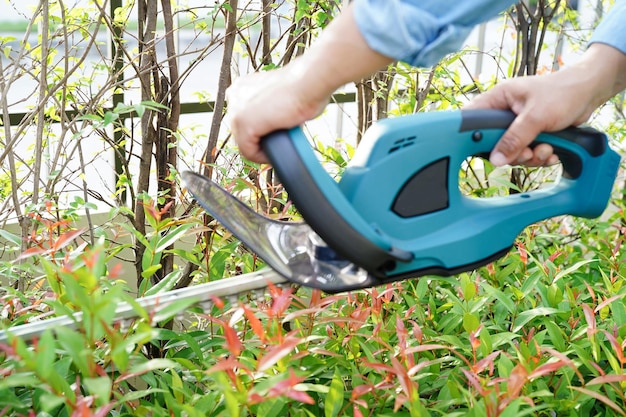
[(402, 143)]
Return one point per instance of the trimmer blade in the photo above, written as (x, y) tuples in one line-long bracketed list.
[(292, 249)]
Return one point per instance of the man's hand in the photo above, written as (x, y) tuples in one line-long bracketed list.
[(261, 103), (552, 102)]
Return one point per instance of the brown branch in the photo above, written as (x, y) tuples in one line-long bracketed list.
[(223, 83)]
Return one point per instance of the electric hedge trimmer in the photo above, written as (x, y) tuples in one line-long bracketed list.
[(397, 212)]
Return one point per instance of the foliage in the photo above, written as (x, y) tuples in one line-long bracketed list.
[(539, 332)]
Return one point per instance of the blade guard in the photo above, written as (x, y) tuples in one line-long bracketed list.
[(398, 212)]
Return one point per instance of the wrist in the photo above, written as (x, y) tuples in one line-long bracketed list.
[(339, 56)]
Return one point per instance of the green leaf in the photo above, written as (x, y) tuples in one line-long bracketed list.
[(177, 387), (153, 365), (526, 316), (500, 297), (172, 236), (468, 287), (334, 399), (110, 117), (470, 322), (45, 356), (100, 388), (230, 399), (50, 401), (572, 268), (136, 395), (173, 309), (74, 345), (19, 380), (137, 234), (16, 240), (166, 284), (274, 407), (151, 270), (556, 335), (512, 410), (140, 109)]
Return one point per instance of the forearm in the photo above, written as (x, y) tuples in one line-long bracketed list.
[(339, 56)]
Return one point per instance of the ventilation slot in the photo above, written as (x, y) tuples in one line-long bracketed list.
[(402, 143)]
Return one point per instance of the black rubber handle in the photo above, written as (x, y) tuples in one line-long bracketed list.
[(587, 138)]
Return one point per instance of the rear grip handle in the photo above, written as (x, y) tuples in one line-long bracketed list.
[(587, 138)]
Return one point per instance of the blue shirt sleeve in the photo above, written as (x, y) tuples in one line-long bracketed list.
[(612, 29), (421, 32)]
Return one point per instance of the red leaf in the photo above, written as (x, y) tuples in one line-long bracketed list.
[(227, 364), (590, 317), (301, 396), (473, 380), (617, 347), (233, 344), (602, 398), (255, 398), (399, 402), (423, 348), (608, 301), (280, 303), (286, 388), (522, 253), (66, 238), (486, 361), (516, 381), (418, 334), (379, 367), (555, 255), (401, 373), (402, 333), (356, 411), (326, 352), (546, 368), (607, 379), (303, 312), (255, 323), (285, 384), (360, 390), (277, 352), (565, 360), (152, 212), (219, 303), (166, 207), (316, 297), (415, 369), (30, 252), (115, 271)]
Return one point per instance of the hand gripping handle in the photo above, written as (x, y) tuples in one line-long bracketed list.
[(583, 139)]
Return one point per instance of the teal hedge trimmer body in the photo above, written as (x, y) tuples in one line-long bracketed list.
[(398, 212)]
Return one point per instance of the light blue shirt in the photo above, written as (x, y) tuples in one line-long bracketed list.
[(421, 32), (612, 29)]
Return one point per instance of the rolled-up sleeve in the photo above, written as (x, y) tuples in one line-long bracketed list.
[(612, 29), (421, 32)]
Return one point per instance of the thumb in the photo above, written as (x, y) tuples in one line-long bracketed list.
[(515, 139)]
